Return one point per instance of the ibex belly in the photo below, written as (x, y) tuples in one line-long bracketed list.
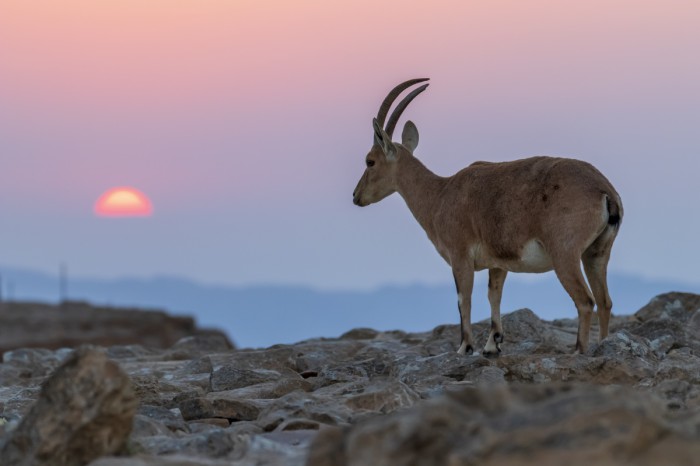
[(533, 259)]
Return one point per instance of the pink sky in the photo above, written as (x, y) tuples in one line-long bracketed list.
[(251, 120)]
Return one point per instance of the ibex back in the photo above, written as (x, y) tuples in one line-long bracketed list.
[(530, 215)]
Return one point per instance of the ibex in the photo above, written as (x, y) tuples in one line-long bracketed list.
[(531, 215)]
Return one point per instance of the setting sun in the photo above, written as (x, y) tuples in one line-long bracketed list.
[(123, 201)]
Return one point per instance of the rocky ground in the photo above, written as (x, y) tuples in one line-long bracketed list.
[(368, 398)]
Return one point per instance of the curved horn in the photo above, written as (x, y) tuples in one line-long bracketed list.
[(391, 97), (394, 118)]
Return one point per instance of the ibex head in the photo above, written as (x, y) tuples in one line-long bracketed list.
[(379, 179)]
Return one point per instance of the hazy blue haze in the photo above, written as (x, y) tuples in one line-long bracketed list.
[(265, 315)]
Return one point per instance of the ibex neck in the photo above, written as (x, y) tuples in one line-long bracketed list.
[(421, 189)]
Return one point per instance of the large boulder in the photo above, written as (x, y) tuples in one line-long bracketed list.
[(85, 410), (537, 424), (670, 321), (674, 305)]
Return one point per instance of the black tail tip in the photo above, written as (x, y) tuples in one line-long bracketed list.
[(613, 212)]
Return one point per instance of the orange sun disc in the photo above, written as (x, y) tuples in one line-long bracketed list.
[(123, 201)]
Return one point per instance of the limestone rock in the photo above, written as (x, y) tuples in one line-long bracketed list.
[(540, 424), (164, 460), (382, 395), (214, 443), (220, 405), (231, 377), (360, 334), (296, 405), (269, 390), (670, 306), (171, 419), (85, 410), (190, 347), (631, 352), (527, 333)]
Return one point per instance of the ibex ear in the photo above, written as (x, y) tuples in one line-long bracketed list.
[(409, 136), (384, 141)]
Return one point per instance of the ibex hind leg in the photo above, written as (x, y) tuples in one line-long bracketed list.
[(595, 263), (493, 345), (568, 270)]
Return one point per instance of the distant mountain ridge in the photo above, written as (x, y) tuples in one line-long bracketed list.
[(268, 314)]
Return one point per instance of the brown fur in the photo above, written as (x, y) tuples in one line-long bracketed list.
[(528, 215)]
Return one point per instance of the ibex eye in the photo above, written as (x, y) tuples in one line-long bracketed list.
[(370, 163)]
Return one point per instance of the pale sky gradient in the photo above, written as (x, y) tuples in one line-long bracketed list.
[(247, 122)]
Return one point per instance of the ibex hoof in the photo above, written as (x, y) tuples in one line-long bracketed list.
[(492, 350), (580, 349), (466, 350)]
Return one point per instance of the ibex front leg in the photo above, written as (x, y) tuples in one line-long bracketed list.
[(464, 280), (496, 279)]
